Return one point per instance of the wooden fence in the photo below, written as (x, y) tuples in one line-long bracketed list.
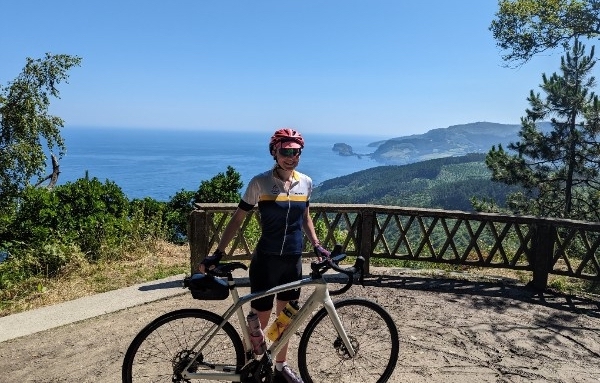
[(541, 246)]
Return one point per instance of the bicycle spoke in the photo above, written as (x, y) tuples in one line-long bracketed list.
[(162, 350), (323, 357)]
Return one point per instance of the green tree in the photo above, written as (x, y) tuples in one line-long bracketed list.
[(179, 208), (26, 126), (524, 28), (559, 170), (222, 188)]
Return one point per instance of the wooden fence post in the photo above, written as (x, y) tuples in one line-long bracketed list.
[(366, 236), (198, 234), (543, 252)]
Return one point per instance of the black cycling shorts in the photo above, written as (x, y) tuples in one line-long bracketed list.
[(267, 271)]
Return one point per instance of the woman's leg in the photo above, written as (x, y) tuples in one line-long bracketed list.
[(264, 317), (282, 355)]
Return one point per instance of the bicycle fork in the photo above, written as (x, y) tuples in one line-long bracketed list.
[(321, 295), (337, 323)]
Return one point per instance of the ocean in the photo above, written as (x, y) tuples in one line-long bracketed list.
[(159, 163)]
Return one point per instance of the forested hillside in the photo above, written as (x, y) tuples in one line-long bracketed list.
[(445, 183), (457, 140)]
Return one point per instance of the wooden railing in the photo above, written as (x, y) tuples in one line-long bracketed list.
[(538, 245)]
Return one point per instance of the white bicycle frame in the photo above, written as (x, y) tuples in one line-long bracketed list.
[(320, 295)]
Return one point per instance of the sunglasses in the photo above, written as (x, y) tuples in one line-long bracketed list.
[(289, 152)]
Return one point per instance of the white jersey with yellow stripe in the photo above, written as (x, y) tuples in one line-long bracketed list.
[(281, 211)]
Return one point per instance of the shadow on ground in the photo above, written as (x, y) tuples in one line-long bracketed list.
[(497, 289)]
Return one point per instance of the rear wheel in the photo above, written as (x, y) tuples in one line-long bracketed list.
[(322, 356), (162, 350)]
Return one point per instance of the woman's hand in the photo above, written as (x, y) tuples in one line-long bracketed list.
[(211, 261), (321, 252)]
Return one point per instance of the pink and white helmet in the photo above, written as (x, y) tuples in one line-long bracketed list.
[(286, 138)]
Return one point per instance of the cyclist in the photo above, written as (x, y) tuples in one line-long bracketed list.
[(282, 195)]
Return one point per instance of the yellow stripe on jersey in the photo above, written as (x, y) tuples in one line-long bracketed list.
[(283, 198)]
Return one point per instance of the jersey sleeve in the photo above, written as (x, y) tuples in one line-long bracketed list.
[(252, 194), (310, 189), (245, 206)]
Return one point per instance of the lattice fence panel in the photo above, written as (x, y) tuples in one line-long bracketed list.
[(575, 253), (452, 240), (246, 239), (336, 228), (562, 247)]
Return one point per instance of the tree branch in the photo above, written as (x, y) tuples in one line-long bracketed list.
[(52, 177)]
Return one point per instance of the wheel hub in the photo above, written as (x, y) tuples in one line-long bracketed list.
[(180, 361), (342, 351)]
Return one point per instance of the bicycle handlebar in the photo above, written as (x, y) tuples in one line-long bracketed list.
[(332, 262), (318, 269)]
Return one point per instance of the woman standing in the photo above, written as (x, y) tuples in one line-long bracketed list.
[(282, 195)]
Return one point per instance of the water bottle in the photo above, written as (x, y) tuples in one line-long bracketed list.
[(285, 317), (257, 337)]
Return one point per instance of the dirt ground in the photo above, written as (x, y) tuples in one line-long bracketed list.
[(451, 330)]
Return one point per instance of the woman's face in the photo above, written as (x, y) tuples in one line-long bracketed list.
[(288, 159)]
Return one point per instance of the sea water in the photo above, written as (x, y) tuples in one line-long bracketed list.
[(159, 163)]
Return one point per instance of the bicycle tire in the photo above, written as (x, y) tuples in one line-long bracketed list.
[(371, 329), (162, 349)]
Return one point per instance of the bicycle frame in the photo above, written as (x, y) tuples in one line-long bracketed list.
[(319, 297)]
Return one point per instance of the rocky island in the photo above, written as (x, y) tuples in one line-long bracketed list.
[(344, 150)]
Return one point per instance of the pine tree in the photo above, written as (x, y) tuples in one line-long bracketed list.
[(558, 169)]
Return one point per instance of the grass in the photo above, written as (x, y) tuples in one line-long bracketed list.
[(157, 261), (162, 259)]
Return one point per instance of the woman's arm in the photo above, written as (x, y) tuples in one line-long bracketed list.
[(232, 228), (230, 231)]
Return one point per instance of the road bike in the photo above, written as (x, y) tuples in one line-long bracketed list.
[(351, 340)]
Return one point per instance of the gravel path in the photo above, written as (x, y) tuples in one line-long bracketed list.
[(451, 330)]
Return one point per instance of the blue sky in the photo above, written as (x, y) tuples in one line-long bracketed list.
[(389, 68)]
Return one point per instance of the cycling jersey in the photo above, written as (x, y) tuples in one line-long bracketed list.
[(281, 212)]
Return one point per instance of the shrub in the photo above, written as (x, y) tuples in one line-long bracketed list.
[(37, 217), (147, 219), (94, 215)]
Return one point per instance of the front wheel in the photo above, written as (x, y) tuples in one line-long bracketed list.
[(164, 348), (322, 356)]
